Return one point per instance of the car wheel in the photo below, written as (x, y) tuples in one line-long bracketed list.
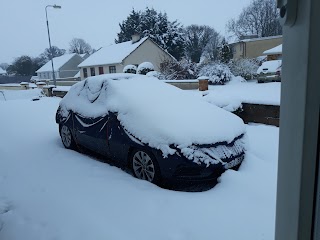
[(260, 81), (66, 137), (145, 166)]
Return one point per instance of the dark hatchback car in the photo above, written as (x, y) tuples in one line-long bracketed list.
[(106, 133)]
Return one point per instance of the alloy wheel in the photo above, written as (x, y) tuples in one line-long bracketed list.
[(143, 166), (66, 136)]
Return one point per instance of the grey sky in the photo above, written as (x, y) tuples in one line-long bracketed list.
[(23, 27)]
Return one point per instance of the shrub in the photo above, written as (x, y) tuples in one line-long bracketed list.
[(246, 68), (145, 67), (174, 70), (130, 69), (156, 75), (218, 73)]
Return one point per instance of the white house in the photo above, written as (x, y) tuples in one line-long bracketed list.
[(113, 58), (3, 72), (65, 66)]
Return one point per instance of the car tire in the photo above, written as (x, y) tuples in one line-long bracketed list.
[(260, 81), (66, 137), (145, 166)]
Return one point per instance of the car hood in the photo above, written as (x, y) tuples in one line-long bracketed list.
[(157, 113)]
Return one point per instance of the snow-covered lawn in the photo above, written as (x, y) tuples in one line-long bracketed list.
[(48, 192)]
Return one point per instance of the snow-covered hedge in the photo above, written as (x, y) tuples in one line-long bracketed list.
[(246, 68), (130, 69), (218, 73), (145, 67)]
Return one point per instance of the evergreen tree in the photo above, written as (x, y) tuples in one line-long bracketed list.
[(225, 53), (166, 34), (22, 66), (129, 27)]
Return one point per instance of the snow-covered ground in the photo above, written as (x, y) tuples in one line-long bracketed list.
[(20, 94), (231, 95), (48, 192)]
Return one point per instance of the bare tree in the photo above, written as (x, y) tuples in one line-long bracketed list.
[(80, 46), (56, 52), (200, 40), (259, 18)]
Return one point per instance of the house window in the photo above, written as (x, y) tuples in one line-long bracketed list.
[(92, 71), (100, 70), (112, 69), (85, 73)]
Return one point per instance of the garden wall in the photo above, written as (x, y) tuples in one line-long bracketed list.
[(260, 113)]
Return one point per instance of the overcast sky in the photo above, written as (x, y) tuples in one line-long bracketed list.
[(23, 26)]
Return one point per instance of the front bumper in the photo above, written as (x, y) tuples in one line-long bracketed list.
[(269, 78), (179, 168)]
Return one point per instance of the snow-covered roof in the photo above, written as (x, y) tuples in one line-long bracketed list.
[(134, 97), (34, 78), (58, 62), (77, 75), (275, 50), (112, 54), (257, 39), (2, 71), (261, 38)]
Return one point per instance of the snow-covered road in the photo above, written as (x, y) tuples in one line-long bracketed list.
[(48, 192)]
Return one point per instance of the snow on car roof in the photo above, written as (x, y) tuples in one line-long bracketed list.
[(155, 112), (270, 66)]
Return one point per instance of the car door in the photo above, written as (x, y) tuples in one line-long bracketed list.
[(119, 142), (92, 133)]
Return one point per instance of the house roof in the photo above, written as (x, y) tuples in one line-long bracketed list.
[(257, 39), (112, 54), (77, 75), (2, 71), (275, 50), (58, 62)]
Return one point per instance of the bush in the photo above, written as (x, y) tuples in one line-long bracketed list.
[(145, 67), (246, 68), (218, 73), (156, 75), (174, 70), (130, 69)]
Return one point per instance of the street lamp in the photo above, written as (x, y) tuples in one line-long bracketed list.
[(53, 75)]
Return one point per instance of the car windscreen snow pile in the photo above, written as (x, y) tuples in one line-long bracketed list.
[(156, 113)]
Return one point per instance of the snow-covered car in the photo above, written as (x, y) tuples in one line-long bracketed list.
[(159, 131), (270, 71)]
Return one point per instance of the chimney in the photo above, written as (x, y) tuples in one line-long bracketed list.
[(135, 38)]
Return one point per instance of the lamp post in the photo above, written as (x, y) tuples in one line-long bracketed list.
[(53, 75)]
